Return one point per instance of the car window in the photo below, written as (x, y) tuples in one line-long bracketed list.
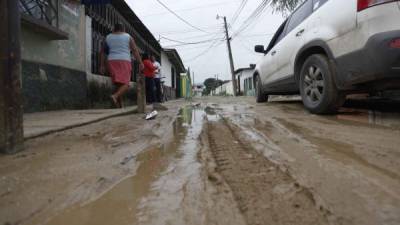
[(318, 3), (279, 34), (282, 35), (300, 15)]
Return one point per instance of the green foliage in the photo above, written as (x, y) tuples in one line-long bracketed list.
[(285, 6), (211, 84)]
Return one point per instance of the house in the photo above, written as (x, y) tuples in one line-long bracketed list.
[(60, 47), (186, 85), (53, 55), (198, 90), (245, 81), (226, 89), (171, 68)]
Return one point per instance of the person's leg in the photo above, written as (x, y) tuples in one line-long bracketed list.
[(148, 89), (157, 83), (152, 91), (122, 89), (117, 96)]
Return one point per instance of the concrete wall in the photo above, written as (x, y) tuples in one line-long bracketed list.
[(88, 43), (225, 89), (47, 87), (54, 71), (166, 70), (246, 74), (99, 89), (166, 66), (66, 53)]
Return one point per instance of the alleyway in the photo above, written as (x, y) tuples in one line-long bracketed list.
[(224, 161)]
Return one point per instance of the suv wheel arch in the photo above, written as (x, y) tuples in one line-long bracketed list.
[(313, 47), (260, 94)]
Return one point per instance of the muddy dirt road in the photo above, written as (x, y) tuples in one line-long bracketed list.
[(226, 161)]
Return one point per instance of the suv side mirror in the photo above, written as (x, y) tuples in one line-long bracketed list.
[(259, 49)]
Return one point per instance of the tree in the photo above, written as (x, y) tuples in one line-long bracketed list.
[(211, 84), (285, 6)]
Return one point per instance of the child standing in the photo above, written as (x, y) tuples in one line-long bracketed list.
[(149, 72)]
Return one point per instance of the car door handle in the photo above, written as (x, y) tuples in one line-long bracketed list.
[(273, 53), (300, 33)]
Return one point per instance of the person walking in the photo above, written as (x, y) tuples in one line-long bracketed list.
[(149, 72), (118, 48), (157, 78)]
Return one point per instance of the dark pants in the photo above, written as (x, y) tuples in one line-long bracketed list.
[(157, 82), (150, 96)]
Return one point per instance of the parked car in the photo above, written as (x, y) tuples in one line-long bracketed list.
[(327, 49)]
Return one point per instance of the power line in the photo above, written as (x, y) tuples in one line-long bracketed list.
[(199, 36), (256, 35), (189, 43), (252, 18), (194, 8), (238, 12), (213, 44), (180, 18), (256, 13), (186, 31), (241, 41)]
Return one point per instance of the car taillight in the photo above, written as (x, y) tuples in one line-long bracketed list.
[(363, 4), (395, 43)]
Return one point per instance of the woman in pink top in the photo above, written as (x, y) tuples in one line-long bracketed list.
[(118, 48)]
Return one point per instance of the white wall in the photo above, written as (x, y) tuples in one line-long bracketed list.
[(226, 88), (166, 70), (244, 75)]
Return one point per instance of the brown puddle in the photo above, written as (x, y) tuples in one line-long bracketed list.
[(121, 204)]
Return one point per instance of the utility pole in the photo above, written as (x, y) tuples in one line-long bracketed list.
[(228, 41), (11, 111)]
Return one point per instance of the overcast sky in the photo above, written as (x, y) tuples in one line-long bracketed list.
[(203, 14)]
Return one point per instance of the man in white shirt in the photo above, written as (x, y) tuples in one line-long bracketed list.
[(157, 78)]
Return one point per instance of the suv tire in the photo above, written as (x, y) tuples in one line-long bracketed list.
[(260, 96), (317, 86)]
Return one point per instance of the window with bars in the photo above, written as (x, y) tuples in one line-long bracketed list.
[(43, 10), (103, 19)]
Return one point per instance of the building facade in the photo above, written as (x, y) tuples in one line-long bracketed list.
[(53, 55), (244, 77), (171, 69), (226, 89), (61, 42), (198, 90)]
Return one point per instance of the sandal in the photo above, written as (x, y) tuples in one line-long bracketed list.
[(114, 102)]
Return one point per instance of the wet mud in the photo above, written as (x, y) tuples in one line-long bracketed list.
[(224, 161), (265, 194)]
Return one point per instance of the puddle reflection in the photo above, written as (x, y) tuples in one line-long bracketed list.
[(120, 205)]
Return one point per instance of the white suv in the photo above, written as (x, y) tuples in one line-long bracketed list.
[(327, 49)]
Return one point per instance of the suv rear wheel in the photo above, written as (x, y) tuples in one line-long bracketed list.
[(260, 95), (317, 86)]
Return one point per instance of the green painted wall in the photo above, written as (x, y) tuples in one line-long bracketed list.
[(66, 53)]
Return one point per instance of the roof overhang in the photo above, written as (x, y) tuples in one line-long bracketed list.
[(175, 58), (138, 25)]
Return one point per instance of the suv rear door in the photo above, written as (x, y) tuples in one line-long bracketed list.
[(289, 46)]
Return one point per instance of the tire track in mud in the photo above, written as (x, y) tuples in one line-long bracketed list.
[(264, 193)]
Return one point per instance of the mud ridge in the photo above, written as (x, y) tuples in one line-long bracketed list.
[(264, 193)]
